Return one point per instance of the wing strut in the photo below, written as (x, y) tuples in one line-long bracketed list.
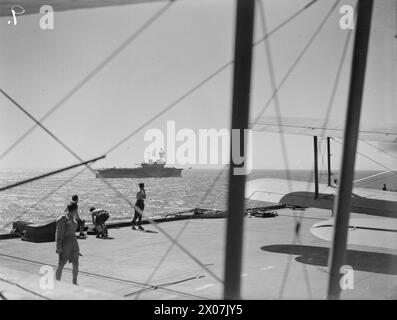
[(329, 160), (315, 144), (240, 115), (345, 186)]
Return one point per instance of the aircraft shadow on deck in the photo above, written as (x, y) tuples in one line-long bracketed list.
[(360, 260)]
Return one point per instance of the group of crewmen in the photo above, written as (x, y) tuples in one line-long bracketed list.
[(99, 217), (70, 222)]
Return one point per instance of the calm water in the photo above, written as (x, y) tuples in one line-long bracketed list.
[(47, 198)]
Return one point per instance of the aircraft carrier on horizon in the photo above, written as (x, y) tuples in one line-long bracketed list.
[(151, 169)]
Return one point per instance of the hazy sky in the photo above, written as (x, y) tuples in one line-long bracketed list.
[(190, 41)]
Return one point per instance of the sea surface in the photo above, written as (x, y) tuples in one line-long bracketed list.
[(47, 198)]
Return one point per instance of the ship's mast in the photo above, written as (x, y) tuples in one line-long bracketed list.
[(162, 156), (343, 199)]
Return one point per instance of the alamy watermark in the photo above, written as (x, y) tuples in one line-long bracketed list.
[(347, 280), (46, 21), (346, 22), (208, 146), (46, 281)]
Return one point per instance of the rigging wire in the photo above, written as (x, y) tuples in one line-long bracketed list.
[(369, 158), (44, 198), (326, 117), (204, 81), (195, 88), (117, 192), (49, 174), (290, 70), (379, 149), (299, 221), (375, 175), (114, 189), (38, 123), (284, 23), (328, 111), (124, 141), (300, 56), (209, 190), (95, 71), (139, 292), (272, 77), (125, 44), (335, 85), (110, 278), (285, 78), (213, 75), (277, 106), (24, 288), (200, 84), (173, 104)]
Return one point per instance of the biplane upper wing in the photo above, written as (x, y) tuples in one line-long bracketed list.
[(33, 6), (322, 128)]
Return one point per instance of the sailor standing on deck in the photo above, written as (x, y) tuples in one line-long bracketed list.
[(80, 222), (139, 206), (66, 241)]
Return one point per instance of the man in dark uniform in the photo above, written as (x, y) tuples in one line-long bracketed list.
[(139, 206), (67, 247)]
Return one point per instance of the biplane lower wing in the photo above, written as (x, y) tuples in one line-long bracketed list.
[(378, 232), (300, 193)]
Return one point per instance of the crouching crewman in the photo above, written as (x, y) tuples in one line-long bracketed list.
[(99, 217)]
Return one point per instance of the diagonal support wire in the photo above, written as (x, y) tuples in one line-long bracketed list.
[(275, 90), (44, 197), (368, 158), (278, 111), (205, 80), (108, 60), (273, 84), (294, 64), (180, 233), (117, 192), (94, 72), (50, 174), (194, 89), (123, 46)]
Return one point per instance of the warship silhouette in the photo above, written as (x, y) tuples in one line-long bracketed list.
[(150, 169)]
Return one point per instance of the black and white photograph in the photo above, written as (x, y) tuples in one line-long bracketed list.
[(211, 151)]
